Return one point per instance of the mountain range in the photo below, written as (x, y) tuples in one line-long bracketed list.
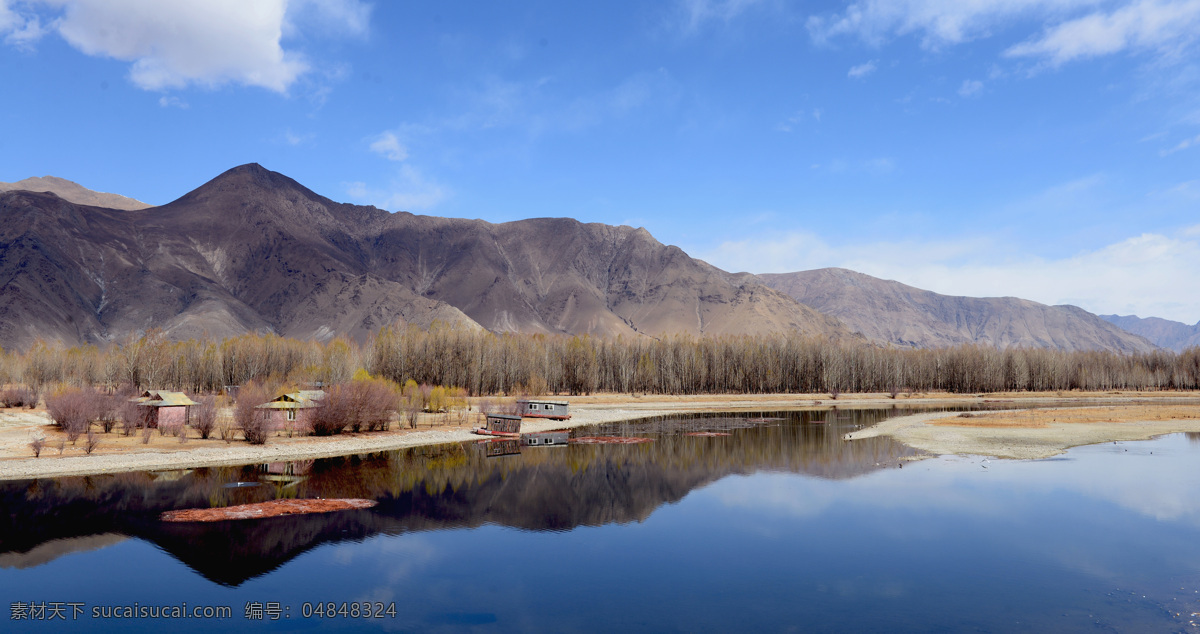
[(1173, 335), (902, 315), (253, 250)]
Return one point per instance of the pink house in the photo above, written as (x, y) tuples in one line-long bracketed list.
[(168, 409), (292, 411)]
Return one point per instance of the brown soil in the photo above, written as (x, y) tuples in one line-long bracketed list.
[(1041, 418), (272, 508)]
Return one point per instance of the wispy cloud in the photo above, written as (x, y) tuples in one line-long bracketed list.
[(800, 116), (1181, 146), (167, 101), (408, 190), (1148, 25), (293, 139), (176, 44), (936, 22), (388, 146), (693, 15), (970, 88), (862, 70)]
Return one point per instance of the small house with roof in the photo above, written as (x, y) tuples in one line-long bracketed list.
[(293, 409), (167, 409), (556, 410)]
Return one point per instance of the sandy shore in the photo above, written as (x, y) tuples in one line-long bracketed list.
[(116, 453), (1032, 434)]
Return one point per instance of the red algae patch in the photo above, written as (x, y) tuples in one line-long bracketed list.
[(259, 510), (707, 433), (610, 440)]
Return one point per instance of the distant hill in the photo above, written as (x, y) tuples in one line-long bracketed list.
[(74, 192), (1173, 335), (253, 250), (888, 311)]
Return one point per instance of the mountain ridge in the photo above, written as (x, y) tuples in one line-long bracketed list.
[(74, 192), (254, 250), (1172, 335), (895, 313)]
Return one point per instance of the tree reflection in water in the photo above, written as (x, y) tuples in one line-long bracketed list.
[(434, 488)]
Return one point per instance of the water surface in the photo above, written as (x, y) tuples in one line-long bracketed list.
[(780, 525)]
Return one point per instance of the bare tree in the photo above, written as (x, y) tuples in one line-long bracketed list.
[(254, 422), (36, 445)]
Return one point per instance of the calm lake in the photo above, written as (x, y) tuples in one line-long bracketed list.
[(778, 526)]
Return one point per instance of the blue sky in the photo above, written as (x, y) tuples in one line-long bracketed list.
[(1047, 150)]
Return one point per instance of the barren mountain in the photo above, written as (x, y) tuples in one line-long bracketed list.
[(252, 250), (74, 192), (891, 312), (1173, 335)]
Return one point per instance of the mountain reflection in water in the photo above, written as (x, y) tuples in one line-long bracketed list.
[(432, 488)]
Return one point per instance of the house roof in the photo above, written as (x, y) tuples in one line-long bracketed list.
[(163, 398), (294, 400), (541, 402)]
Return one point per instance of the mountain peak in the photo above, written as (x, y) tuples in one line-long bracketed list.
[(74, 192)]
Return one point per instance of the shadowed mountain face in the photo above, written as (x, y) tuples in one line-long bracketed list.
[(891, 312), (74, 192), (252, 250), (1173, 335)]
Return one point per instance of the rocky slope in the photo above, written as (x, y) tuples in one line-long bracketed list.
[(891, 312), (1173, 335), (253, 250), (74, 192)]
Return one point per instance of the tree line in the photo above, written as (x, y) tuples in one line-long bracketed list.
[(486, 363)]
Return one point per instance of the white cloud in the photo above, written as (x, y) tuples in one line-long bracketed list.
[(19, 29), (937, 22), (862, 70), (388, 146), (696, 13), (1157, 25), (172, 102), (800, 116), (409, 190), (178, 43), (293, 139), (1149, 274), (1183, 145), (970, 88)]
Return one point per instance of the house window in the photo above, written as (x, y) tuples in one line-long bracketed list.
[(291, 414)]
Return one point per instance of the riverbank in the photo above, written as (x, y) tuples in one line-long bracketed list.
[(116, 453), (1029, 434)]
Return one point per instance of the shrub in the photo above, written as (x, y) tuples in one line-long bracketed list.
[(74, 409), (133, 415), (36, 445), (92, 442), (255, 423), (411, 402), (204, 416), (110, 410), (17, 397), (360, 404)]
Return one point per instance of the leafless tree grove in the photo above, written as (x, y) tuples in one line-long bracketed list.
[(484, 363)]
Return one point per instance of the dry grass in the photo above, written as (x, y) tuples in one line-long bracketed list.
[(1038, 418)]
